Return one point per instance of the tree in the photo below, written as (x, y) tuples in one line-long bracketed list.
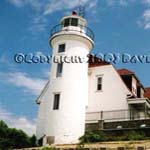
[(3, 129), (12, 138), (33, 140)]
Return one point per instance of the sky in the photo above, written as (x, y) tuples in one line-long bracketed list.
[(120, 26)]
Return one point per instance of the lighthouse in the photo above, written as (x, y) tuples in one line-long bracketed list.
[(62, 103)]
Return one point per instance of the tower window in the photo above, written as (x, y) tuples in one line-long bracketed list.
[(61, 48), (66, 22), (56, 101), (59, 69), (99, 83), (70, 22), (74, 22)]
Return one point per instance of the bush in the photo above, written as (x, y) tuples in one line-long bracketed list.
[(95, 136), (48, 148), (80, 147), (126, 136), (99, 136), (136, 136)]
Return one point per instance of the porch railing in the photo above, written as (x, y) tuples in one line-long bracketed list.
[(118, 115)]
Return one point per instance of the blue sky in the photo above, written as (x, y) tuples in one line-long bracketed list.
[(120, 26)]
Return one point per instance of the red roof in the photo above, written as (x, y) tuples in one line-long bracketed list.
[(125, 72), (96, 62), (147, 92)]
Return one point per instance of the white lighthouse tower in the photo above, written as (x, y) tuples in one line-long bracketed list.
[(63, 102)]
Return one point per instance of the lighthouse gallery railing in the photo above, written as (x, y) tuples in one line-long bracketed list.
[(79, 28)]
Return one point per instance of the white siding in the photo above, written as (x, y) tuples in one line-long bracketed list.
[(114, 91), (134, 86), (40, 130)]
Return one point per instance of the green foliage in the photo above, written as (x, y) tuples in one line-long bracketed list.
[(127, 136), (133, 136), (40, 142), (3, 129), (99, 136), (95, 136), (80, 147), (12, 138), (48, 148), (33, 141)]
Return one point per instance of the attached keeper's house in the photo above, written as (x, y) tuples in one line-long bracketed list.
[(85, 96)]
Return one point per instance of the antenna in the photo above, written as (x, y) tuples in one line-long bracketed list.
[(82, 11)]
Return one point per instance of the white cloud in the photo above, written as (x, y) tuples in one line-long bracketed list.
[(19, 122), (39, 18), (35, 4), (146, 1), (44, 8), (46, 73), (38, 21), (146, 17), (145, 20), (123, 3), (18, 3), (110, 2), (57, 5), (93, 4), (50, 6), (23, 80), (38, 24)]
